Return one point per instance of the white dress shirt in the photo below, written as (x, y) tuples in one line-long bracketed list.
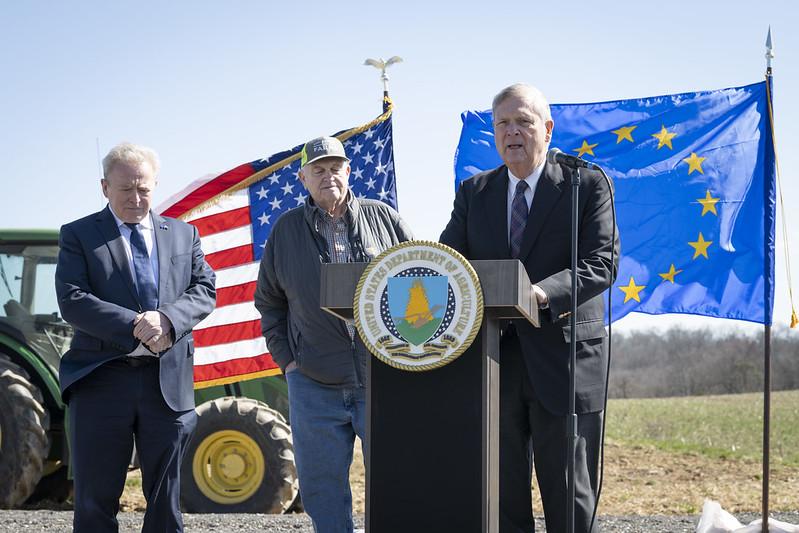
[(148, 233), (532, 181)]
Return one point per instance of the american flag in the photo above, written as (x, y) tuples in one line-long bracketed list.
[(234, 213)]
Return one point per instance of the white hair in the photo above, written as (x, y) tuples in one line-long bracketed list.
[(534, 98), (131, 154)]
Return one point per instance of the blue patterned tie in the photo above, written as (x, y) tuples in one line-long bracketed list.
[(145, 278), (518, 218)]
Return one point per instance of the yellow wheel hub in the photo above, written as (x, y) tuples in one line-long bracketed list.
[(228, 467)]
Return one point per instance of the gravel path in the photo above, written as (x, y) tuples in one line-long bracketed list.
[(45, 521)]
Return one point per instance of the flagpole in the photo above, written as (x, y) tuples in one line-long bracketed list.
[(767, 325), (381, 65), (99, 168)]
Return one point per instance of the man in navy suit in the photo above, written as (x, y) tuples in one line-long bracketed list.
[(522, 210), (133, 285)]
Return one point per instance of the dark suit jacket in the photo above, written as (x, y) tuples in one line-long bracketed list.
[(96, 294), (478, 229)]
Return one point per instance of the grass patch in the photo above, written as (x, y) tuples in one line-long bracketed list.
[(728, 426)]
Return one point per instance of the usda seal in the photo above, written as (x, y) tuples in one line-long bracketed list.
[(418, 305)]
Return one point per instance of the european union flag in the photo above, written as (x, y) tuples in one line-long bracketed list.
[(695, 195)]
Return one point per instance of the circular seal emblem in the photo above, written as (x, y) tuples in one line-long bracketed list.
[(418, 305)]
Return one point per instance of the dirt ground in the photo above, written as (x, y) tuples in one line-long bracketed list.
[(638, 481)]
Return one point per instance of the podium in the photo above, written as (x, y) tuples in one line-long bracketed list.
[(432, 454)]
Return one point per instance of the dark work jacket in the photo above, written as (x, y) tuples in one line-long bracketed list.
[(287, 295)]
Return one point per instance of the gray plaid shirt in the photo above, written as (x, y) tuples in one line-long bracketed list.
[(336, 233)]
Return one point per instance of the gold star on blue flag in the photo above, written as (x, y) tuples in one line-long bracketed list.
[(684, 146)]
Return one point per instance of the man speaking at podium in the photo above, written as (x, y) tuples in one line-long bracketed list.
[(522, 210)]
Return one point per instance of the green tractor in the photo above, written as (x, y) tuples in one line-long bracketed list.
[(240, 459)]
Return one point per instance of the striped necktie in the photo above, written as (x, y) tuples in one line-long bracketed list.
[(145, 277), (518, 218)]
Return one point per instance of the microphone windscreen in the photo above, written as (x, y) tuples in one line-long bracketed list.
[(552, 156)]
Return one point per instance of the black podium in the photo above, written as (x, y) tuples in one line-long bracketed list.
[(432, 459)]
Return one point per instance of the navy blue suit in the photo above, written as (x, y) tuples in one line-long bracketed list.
[(115, 399), (534, 362)]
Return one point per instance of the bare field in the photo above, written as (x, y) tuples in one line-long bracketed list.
[(639, 480), (667, 455)]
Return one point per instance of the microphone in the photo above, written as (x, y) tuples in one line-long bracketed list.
[(555, 156)]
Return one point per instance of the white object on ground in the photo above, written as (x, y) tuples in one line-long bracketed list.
[(716, 520)]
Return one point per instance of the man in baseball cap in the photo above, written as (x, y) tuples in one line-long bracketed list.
[(323, 358), (320, 147), (325, 172)]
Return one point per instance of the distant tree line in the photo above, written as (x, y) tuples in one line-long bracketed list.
[(683, 362)]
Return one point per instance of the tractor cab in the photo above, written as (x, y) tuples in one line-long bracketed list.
[(33, 337), (28, 306)]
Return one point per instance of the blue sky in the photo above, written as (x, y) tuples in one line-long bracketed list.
[(211, 85)]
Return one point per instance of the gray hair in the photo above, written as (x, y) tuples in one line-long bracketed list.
[(131, 154), (534, 97)]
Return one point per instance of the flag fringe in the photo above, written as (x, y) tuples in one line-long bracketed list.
[(786, 248)]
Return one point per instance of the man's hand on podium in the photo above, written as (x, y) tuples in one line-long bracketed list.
[(540, 297)]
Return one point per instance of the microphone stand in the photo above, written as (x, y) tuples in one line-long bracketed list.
[(572, 419)]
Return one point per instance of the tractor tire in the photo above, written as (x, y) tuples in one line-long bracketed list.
[(239, 460), (23, 434)]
